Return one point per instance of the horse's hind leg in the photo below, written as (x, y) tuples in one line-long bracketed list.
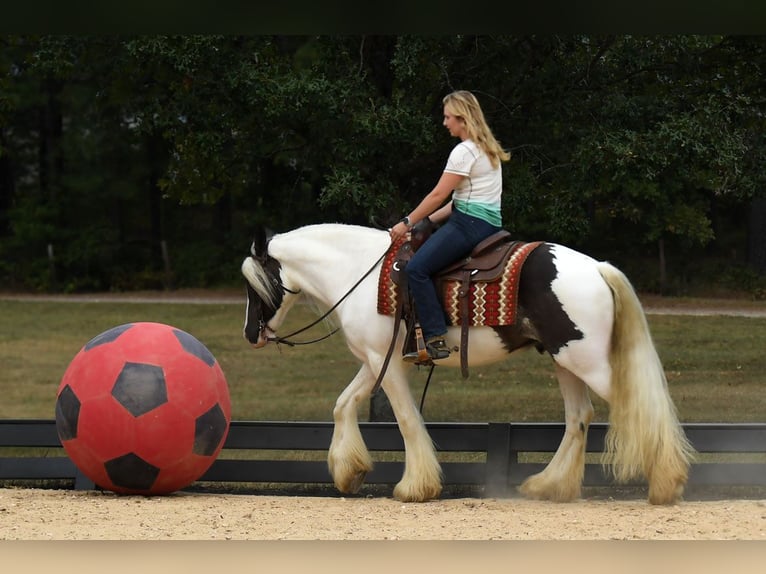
[(348, 459), (561, 480)]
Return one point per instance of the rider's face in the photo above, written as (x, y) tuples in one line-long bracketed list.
[(455, 124)]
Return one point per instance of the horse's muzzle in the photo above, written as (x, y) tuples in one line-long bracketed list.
[(264, 336)]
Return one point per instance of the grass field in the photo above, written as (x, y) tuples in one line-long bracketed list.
[(714, 365)]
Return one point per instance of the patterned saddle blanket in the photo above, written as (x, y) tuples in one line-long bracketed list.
[(488, 278)]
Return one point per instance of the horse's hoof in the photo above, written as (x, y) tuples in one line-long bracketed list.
[(352, 485), (357, 481), (424, 494), (535, 489), (525, 489), (667, 497)]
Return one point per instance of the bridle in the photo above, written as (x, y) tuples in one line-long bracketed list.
[(285, 340)]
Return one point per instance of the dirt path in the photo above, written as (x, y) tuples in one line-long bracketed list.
[(652, 304)]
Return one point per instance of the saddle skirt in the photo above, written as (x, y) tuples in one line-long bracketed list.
[(491, 278)]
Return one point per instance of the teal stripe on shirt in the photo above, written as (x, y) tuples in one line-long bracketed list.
[(488, 213)]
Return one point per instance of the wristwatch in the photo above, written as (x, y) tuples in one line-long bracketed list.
[(406, 222)]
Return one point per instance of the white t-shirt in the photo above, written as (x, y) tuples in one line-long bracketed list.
[(479, 192)]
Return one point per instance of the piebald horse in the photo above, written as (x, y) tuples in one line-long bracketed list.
[(584, 313)]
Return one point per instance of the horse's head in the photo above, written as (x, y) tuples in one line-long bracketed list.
[(265, 294)]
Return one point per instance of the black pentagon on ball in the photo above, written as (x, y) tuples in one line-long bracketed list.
[(67, 414), (194, 347), (131, 471), (107, 336), (140, 388), (209, 430)]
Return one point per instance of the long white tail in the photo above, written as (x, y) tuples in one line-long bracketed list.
[(645, 437)]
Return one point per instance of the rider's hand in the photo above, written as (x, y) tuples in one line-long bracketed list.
[(398, 231)]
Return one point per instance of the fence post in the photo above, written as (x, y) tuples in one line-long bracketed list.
[(380, 408), (498, 459)]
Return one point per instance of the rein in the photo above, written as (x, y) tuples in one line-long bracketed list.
[(285, 340)]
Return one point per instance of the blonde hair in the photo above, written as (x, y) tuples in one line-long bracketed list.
[(463, 104)]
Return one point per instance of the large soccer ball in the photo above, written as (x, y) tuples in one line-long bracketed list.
[(143, 408)]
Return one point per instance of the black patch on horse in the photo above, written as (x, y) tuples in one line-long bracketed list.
[(512, 336), (539, 304)]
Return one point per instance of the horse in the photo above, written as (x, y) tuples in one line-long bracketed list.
[(582, 312)]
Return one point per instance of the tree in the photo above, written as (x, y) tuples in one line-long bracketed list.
[(667, 143), (114, 146)]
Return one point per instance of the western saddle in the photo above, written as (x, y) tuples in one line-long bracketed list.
[(486, 263)]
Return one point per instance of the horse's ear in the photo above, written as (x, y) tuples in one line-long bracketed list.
[(261, 239)]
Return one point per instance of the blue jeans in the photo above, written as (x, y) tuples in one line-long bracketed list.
[(452, 241)]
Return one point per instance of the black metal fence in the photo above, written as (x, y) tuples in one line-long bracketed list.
[(504, 453)]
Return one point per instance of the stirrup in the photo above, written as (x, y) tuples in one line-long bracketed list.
[(436, 349)]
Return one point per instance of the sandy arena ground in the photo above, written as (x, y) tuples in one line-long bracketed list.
[(34, 514)]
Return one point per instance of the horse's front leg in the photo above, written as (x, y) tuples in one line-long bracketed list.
[(422, 478), (348, 459)]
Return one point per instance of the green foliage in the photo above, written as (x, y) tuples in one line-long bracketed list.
[(662, 153), (110, 145)]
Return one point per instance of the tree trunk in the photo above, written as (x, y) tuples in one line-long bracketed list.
[(663, 269), (49, 149), (7, 187), (50, 157), (160, 256), (756, 255)]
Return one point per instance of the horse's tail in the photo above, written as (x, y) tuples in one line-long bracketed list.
[(644, 436)]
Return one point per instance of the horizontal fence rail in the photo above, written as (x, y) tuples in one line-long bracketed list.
[(502, 468)]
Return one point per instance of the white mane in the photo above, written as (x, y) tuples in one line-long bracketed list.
[(353, 240), (260, 281)]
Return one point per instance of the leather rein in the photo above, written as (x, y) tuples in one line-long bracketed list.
[(286, 339), (397, 321)]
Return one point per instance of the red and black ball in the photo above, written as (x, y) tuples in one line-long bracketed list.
[(143, 408)]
